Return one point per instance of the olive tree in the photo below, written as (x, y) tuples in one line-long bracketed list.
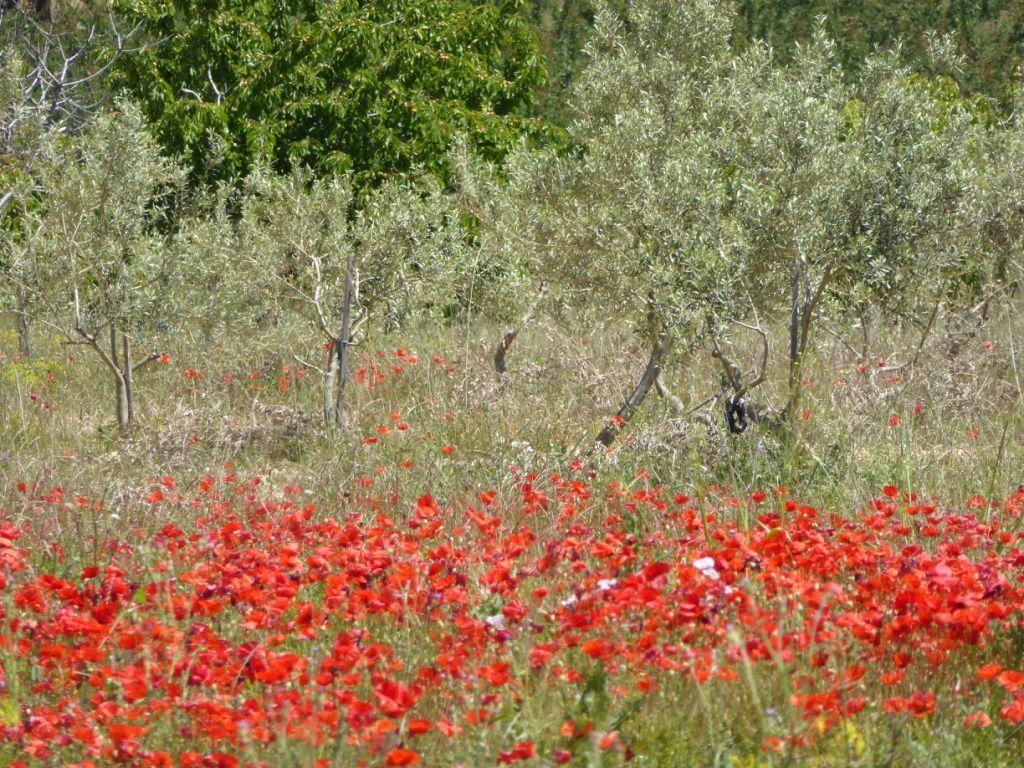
[(23, 137), (859, 190), (20, 288), (53, 65), (103, 257), (310, 248), (215, 289), (505, 211), (642, 216), (993, 214), (710, 188)]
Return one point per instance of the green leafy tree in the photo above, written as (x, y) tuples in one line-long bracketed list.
[(563, 27), (367, 88)]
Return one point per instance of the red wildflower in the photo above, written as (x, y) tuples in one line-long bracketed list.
[(977, 720), (989, 671), (1013, 711), (522, 750), (401, 757)]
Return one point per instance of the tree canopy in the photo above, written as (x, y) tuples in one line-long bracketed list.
[(989, 32), (374, 88)]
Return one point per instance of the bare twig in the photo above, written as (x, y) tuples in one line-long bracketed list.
[(732, 372), (667, 394), (920, 344), (307, 364), (217, 92), (4, 202), (150, 358), (849, 347), (761, 375)]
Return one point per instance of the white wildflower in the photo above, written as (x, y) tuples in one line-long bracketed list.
[(706, 565)]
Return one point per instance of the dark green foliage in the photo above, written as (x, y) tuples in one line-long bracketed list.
[(563, 26), (990, 32), (371, 87)]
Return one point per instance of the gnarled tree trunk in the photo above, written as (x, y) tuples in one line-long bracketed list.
[(659, 352), (501, 351)]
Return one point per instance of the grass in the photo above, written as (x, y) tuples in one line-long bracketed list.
[(563, 384), (428, 415)]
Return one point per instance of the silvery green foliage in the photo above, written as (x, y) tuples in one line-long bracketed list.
[(411, 252), (708, 182), (297, 234), (643, 217), (994, 213), (103, 254), (214, 285), (858, 187), (508, 215)]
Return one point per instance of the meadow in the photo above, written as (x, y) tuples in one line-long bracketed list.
[(464, 383), (464, 580)]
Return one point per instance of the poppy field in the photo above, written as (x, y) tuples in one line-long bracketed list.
[(463, 384), (229, 600), (384, 635)]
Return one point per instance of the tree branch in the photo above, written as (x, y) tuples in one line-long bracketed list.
[(4, 202), (91, 341), (151, 358)]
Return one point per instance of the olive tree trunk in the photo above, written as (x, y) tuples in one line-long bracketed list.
[(123, 410), (330, 375), (24, 336), (122, 368), (659, 352), (336, 376), (128, 374), (804, 302), (501, 351)]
